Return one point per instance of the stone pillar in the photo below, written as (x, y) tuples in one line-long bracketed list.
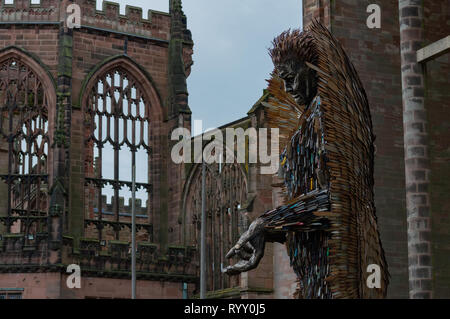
[(178, 115), (258, 283), (285, 280), (61, 140), (417, 167)]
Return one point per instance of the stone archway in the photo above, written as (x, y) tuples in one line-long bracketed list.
[(226, 195), (27, 111)]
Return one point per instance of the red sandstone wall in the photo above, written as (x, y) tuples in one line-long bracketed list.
[(42, 42), (284, 277), (121, 289), (105, 34), (53, 286), (90, 48), (35, 286)]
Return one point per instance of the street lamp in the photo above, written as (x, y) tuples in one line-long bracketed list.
[(133, 225), (203, 232)]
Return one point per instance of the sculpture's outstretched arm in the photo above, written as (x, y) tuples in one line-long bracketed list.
[(250, 249), (294, 217)]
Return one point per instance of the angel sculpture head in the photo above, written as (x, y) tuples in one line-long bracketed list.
[(292, 55)]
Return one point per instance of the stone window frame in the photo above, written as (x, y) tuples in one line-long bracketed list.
[(29, 221), (225, 214), (151, 97), (6, 293)]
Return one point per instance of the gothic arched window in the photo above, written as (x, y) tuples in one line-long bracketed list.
[(24, 141), (226, 192), (117, 125)]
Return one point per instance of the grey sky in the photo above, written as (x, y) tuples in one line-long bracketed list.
[(230, 54)]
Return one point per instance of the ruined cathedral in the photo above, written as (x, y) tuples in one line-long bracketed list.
[(76, 103)]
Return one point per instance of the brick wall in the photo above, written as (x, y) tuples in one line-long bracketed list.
[(317, 9), (53, 286), (107, 288), (35, 286), (261, 186), (92, 45), (375, 54), (42, 42), (90, 49), (284, 278), (437, 97)]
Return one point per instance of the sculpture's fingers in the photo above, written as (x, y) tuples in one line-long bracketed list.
[(246, 251), (237, 268), (252, 263), (243, 266), (243, 241), (247, 247), (231, 253), (244, 254), (230, 271), (255, 230)]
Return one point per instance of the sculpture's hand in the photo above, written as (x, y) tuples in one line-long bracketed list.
[(249, 248)]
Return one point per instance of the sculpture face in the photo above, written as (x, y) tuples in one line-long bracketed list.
[(300, 81)]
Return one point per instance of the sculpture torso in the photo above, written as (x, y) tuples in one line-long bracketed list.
[(303, 168), (303, 161)]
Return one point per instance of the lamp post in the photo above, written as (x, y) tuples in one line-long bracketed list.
[(133, 226), (203, 233)]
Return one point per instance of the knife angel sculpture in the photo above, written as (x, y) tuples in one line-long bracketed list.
[(327, 220)]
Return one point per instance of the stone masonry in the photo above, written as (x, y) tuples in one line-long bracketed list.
[(417, 169)]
